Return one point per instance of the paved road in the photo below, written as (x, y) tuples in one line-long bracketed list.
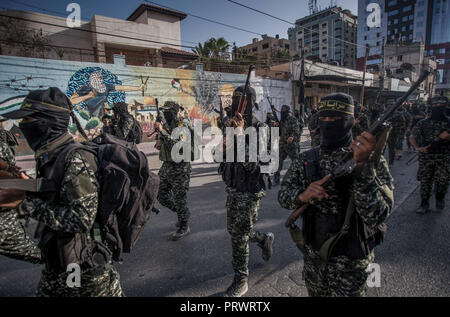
[(413, 260)]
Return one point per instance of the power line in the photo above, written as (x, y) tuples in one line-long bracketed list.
[(207, 19), (274, 17), (87, 19)]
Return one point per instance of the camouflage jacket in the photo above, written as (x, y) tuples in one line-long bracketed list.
[(75, 208), (313, 121), (290, 127), (426, 130), (398, 122), (7, 155), (363, 124), (123, 127), (372, 188), (167, 142)]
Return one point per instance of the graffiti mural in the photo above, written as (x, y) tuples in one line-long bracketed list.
[(94, 88)]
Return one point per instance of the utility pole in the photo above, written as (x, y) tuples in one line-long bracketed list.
[(301, 95), (364, 76)]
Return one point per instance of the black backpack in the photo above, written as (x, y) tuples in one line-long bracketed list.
[(128, 189), (135, 134)]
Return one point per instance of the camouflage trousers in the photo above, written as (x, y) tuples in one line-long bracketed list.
[(433, 169), (242, 213), (340, 277), (14, 241), (292, 151), (173, 188), (106, 284), (394, 144)]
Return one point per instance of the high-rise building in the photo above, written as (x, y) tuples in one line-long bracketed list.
[(438, 41), (372, 30), (330, 35)]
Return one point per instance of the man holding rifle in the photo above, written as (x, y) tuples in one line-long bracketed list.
[(349, 211), (430, 137), (14, 242)]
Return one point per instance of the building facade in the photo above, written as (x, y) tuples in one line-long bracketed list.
[(150, 36), (264, 48), (329, 35)]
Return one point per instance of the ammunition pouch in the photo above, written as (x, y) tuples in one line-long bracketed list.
[(235, 176)]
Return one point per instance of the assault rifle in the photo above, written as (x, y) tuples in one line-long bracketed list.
[(8, 171), (243, 99), (274, 111), (348, 164), (436, 142), (159, 118)]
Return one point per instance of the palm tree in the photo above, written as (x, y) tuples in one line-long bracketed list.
[(202, 51)]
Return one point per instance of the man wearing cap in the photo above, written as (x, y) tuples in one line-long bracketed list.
[(290, 134), (67, 214), (14, 241), (365, 197), (430, 137), (174, 177)]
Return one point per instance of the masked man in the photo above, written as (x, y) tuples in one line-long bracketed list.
[(67, 215), (174, 177), (14, 241), (245, 188), (430, 137), (124, 122), (313, 127), (290, 134), (395, 141), (350, 209)]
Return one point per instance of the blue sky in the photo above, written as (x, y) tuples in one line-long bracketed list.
[(193, 29)]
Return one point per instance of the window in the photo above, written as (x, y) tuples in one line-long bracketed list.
[(265, 46), (420, 14), (410, 37), (378, 43), (392, 3), (405, 18), (411, 17), (419, 35), (421, 3), (365, 37), (389, 32), (411, 26), (324, 25), (419, 24), (393, 12), (378, 34), (403, 28), (286, 46), (396, 21), (406, 9), (300, 32), (255, 49), (399, 58), (403, 38), (389, 22)]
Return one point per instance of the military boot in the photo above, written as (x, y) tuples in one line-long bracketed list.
[(266, 246), (424, 207), (181, 232), (238, 288), (440, 202)]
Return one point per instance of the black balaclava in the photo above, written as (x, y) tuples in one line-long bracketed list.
[(52, 113), (438, 109), (285, 111), (336, 134), (171, 114), (251, 101)]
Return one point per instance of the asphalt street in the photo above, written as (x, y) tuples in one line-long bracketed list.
[(414, 259)]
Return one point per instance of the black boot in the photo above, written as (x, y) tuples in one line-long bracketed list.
[(266, 246), (440, 202), (238, 288), (424, 207), (181, 232)]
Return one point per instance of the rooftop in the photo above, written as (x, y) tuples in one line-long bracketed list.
[(148, 7)]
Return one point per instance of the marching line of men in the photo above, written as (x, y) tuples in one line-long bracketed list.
[(351, 209)]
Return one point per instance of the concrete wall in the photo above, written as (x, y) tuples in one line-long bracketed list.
[(197, 91)]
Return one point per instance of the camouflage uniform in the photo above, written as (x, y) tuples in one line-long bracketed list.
[(14, 242), (342, 275), (123, 127), (434, 166), (313, 123), (290, 127), (73, 213), (395, 141), (242, 214), (358, 129), (174, 177)]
